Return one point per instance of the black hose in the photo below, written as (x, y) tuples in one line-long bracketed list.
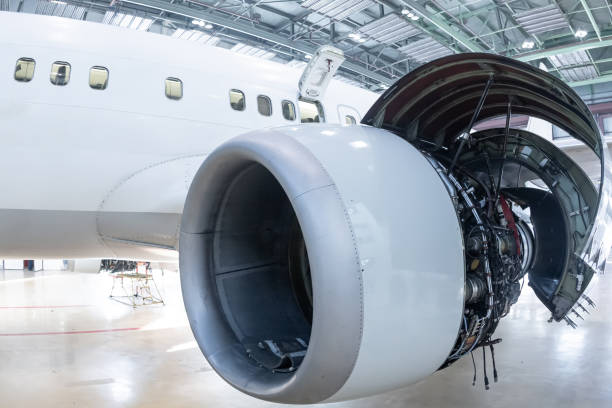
[(494, 368), (484, 366)]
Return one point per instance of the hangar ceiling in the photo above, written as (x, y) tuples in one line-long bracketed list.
[(382, 39)]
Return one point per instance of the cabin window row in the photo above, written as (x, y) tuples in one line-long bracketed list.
[(310, 111), (60, 73), (98, 76)]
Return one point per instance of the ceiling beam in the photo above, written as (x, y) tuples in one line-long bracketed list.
[(252, 30), (586, 45), (335, 39), (442, 24), (589, 14), (599, 80)]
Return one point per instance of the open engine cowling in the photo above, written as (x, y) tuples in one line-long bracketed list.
[(362, 203), (323, 263)]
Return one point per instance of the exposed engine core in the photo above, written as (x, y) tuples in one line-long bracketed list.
[(323, 263), (510, 231), (525, 207)]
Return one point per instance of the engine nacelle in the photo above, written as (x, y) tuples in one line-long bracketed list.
[(323, 263), (350, 209)]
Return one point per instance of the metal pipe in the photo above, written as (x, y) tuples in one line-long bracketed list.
[(485, 246), (501, 164), (466, 133)]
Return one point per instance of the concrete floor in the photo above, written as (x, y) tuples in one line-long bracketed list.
[(122, 357)]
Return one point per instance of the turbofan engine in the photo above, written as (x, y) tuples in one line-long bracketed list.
[(323, 263)]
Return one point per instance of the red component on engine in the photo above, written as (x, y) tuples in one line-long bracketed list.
[(510, 218)]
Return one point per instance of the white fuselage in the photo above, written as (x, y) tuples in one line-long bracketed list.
[(104, 173)]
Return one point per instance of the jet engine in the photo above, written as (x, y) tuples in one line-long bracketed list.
[(323, 263)]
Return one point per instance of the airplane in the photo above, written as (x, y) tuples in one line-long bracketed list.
[(333, 243), (102, 194)]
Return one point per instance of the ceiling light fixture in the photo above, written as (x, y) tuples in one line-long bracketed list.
[(410, 14), (528, 44), (580, 34), (357, 37)]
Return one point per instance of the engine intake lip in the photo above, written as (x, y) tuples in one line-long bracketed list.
[(333, 258)]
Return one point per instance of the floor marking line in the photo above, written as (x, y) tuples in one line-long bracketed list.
[(69, 332), (43, 307)]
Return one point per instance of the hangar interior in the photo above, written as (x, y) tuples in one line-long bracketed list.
[(109, 333), (381, 40)]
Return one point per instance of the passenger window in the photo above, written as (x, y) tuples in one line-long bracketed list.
[(60, 73), (98, 77), (349, 120), (236, 99), (174, 88), (264, 105), (310, 111), (24, 69), (288, 110)]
